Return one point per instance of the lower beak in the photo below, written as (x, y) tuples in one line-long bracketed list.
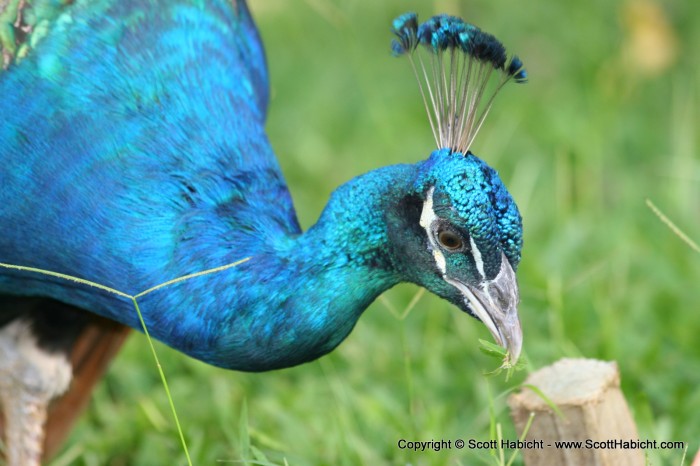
[(495, 303)]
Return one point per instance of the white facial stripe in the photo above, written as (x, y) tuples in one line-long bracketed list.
[(477, 258), (427, 217)]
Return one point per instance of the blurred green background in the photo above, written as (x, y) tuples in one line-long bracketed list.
[(608, 120)]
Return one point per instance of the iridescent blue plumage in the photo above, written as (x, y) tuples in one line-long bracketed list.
[(134, 152), (465, 185)]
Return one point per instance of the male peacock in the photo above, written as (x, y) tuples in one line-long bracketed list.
[(133, 151)]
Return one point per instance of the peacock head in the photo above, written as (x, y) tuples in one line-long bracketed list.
[(461, 232)]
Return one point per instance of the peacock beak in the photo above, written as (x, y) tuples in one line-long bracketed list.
[(495, 303)]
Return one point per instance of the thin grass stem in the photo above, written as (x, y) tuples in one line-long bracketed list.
[(677, 231), (163, 380), (63, 276), (190, 276), (133, 299)]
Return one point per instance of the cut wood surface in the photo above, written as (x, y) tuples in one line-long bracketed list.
[(593, 411)]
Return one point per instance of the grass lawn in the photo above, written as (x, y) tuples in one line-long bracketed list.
[(609, 119)]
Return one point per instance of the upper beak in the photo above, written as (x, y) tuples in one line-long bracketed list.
[(495, 303)]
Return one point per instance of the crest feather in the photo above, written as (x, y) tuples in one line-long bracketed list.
[(453, 78)]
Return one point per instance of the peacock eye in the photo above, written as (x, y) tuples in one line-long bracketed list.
[(449, 240)]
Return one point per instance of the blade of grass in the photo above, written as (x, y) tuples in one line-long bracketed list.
[(672, 226), (522, 438), (133, 299)]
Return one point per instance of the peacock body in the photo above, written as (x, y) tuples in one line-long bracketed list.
[(133, 152)]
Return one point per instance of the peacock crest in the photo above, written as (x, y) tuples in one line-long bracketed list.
[(456, 64)]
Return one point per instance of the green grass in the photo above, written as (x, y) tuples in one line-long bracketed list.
[(581, 147)]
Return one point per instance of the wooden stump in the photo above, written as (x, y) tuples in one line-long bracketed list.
[(587, 392)]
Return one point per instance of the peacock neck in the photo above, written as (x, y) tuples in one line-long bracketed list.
[(299, 297), (296, 297), (351, 231)]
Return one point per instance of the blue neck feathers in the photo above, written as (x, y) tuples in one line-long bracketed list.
[(298, 296)]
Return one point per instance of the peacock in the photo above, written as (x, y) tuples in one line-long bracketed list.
[(134, 152)]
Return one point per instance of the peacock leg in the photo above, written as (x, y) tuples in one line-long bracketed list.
[(30, 377), (51, 356)]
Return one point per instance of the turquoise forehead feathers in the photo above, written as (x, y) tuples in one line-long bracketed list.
[(454, 84)]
